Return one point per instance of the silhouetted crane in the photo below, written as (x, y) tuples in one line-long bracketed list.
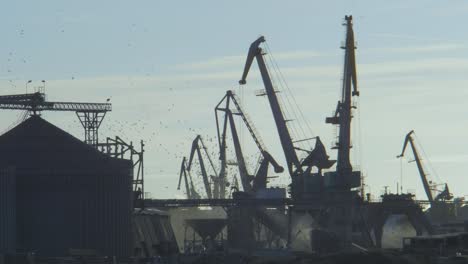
[(429, 186), (249, 182), (346, 177), (297, 169), (197, 147)]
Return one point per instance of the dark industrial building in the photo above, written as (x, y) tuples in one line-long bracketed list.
[(58, 193)]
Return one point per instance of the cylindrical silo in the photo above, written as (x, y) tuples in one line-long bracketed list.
[(68, 194)]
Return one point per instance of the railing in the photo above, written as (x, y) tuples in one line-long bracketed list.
[(88, 107), (55, 106), (158, 203)]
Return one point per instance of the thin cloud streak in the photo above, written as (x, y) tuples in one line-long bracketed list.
[(367, 72), (239, 60), (463, 158), (420, 49), (232, 61), (396, 36)]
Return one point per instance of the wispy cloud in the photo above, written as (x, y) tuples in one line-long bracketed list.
[(230, 67), (222, 62), (421, 48), (414, 65), (388, 70), (462, 158), (394, 36), (300, 55), (456, 8), (236, 60)]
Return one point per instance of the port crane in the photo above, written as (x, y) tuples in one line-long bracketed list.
[(197, 147), (90, 115), (336, 187), (189, 187), (429, 186), (249, 182), (346, 177), (296, 168)]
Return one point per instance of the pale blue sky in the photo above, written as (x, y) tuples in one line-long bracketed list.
[(167, 63)]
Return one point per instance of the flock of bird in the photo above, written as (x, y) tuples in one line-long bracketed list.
[(165, 154)]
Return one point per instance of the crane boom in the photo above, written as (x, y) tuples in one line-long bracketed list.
[(193, 193), (205, 149), (183, 173), (256, 52), (427, 188), (217, 185), (204, 174)]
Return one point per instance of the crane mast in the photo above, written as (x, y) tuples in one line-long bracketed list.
[(343, 114), (256, 52), (244, 174), (222, 151)]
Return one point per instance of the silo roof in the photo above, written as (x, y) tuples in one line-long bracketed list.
[(36, 143)]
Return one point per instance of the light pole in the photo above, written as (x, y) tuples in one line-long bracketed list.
[(30, 81)]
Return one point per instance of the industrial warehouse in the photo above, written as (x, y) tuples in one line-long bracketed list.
[(70, 200)]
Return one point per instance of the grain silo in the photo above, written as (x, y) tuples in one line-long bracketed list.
[(68, 194)]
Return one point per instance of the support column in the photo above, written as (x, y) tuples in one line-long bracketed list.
[(91, 122), (378, 226)]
